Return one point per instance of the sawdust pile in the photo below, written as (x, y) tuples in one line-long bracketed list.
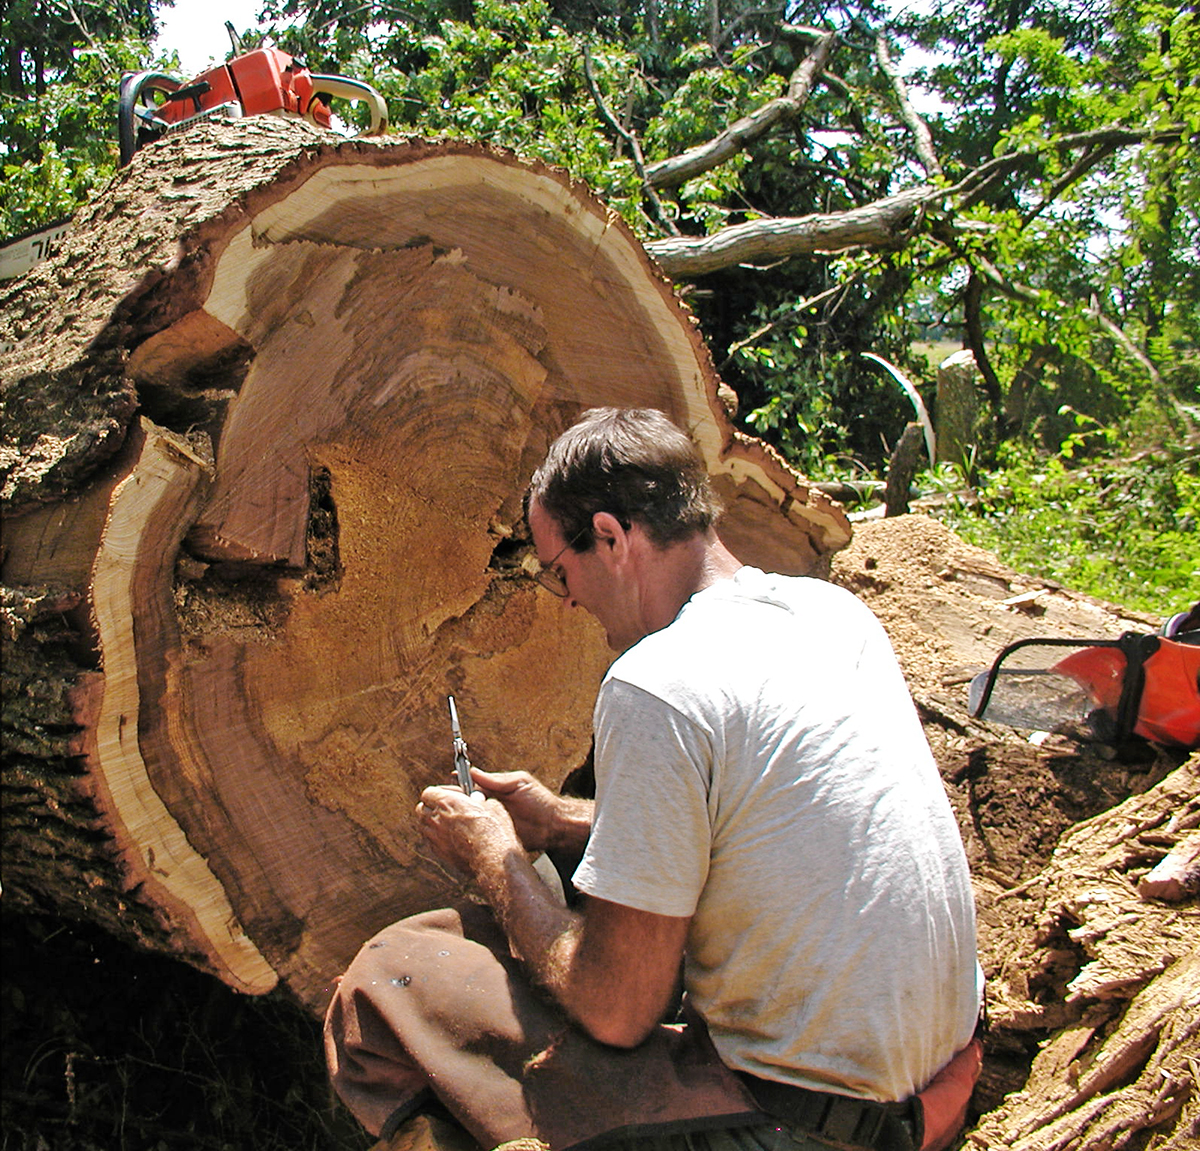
[(949, 606)]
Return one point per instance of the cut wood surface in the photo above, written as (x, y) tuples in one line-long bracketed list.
[(270, 416)]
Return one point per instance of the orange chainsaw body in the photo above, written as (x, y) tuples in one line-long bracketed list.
[(1168, 708), (262, 82)]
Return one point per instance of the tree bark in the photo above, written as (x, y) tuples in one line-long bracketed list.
[(270, 416), (884, 224), (922, 139), (902, 466), (961, 417)]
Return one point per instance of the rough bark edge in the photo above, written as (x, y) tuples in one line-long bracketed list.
[(1124, 1026)]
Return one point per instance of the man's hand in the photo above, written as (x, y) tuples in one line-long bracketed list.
[(464, 832), (612, 968), (543, 821)]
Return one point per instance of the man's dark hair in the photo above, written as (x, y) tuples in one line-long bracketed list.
[(633, 463)]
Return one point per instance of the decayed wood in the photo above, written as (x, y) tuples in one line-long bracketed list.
[(345, 360), (1127, 1025)]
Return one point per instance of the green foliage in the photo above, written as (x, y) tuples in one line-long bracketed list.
[(58, 102), (58, 147), (1125, 530)]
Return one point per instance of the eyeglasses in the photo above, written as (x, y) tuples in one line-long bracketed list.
[(548, 577)]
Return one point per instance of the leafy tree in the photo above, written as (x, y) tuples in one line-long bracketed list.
[(58, 101), (1094, 240)]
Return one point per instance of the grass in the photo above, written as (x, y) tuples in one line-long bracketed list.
[(1124, 530)]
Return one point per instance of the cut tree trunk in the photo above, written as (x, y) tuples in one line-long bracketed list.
[(269, 420)]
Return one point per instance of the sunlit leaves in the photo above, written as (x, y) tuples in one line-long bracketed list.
[(59, 147)]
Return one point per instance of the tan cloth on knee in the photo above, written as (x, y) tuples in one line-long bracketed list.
[(436, 1001)]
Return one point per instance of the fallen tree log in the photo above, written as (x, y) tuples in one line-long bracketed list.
[(269, 418), (1108, 979)]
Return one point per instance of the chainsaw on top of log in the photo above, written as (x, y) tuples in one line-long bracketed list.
[(1145, 686), (261, 82)]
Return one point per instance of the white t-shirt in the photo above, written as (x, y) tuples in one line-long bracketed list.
[(760, 767)]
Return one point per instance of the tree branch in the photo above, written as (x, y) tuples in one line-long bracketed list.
[(800, 306), (973, 315), (886, 223), (1161, 390), (1109, 139), (1118, 333), (922, 140), (1081, 167), (675, 170)]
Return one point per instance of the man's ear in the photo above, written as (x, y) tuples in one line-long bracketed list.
[(612, 538)]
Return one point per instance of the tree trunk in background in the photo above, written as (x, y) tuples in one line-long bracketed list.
[(960, 409), (902, 466), (271, 415)]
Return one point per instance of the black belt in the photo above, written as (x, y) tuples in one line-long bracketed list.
[(838, 1120)]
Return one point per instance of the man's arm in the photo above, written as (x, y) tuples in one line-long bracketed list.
[(612, 968)]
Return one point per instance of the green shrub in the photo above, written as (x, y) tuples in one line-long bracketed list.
[(1125, 530)]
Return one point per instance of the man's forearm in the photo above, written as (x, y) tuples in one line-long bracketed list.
[(543, 933), (612, 969), (573, 825)]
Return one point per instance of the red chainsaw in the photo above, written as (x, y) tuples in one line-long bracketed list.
[(1139, 685), (264, 81)]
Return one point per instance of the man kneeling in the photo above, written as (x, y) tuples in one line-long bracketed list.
[(768, 825)]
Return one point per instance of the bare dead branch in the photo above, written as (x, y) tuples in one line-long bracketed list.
[(922, 140), (675, 170), (884, 224)]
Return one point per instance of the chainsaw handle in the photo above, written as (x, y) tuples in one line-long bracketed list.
[(347, 89), (135, 85)]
